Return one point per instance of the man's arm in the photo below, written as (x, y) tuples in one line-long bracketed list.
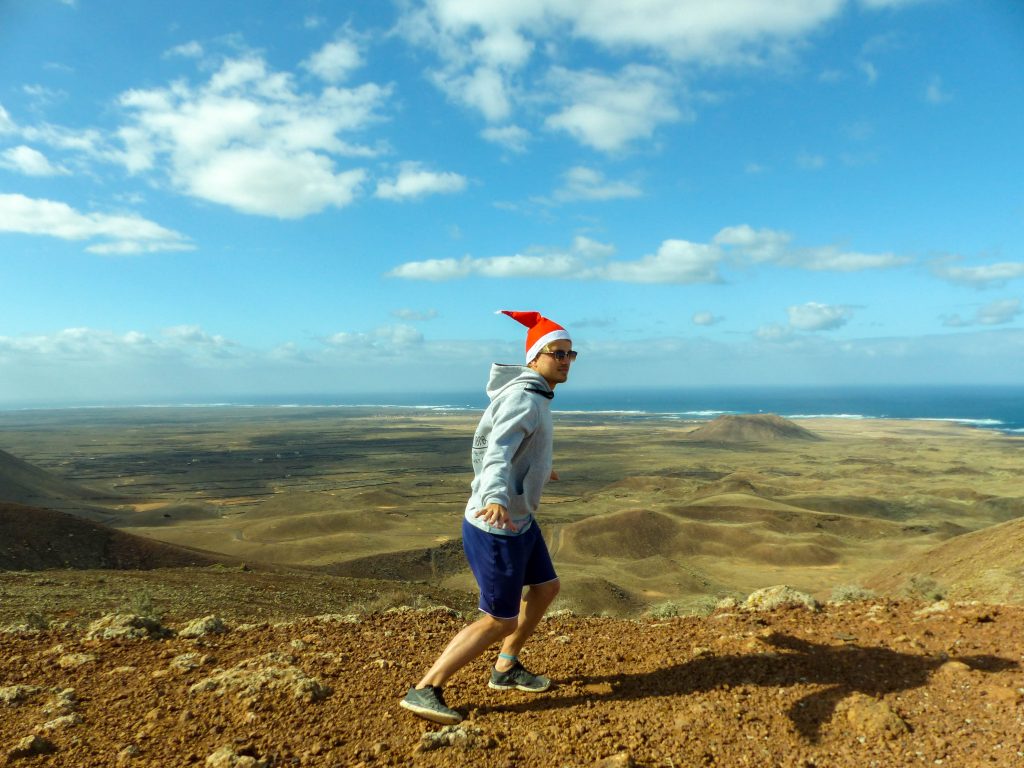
[(512, 422)]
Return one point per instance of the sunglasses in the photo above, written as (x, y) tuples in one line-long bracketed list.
[(561, 354)]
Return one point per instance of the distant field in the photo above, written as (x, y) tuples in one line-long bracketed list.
[(646, 512)]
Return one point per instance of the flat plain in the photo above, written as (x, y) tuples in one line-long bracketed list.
[(648, 512)]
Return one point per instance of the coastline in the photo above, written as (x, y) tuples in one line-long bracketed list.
[(997, 408)]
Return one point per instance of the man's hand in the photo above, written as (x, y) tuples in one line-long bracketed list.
[(554, 475), (496, 515)]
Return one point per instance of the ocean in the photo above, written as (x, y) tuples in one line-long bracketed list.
[(988, 407)]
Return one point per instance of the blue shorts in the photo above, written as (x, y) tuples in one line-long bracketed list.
[(503, 565)]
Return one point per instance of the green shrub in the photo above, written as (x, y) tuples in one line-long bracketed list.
[(141, 604), (920, 587), (37, 621), (851, 593), (665, 610)]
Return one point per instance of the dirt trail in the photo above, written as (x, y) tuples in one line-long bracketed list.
[(862, 684)]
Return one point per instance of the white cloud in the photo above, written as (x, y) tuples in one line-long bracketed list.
[(335, 61), (810, 161), (676, 261), (87, 141), (116, 233), (773, 247), (64, 345), (188, 364), (808, 318), (832, 259), (91, 345), (998, 312), (249, 139), (194, 338), (870, 71), (818, 317), (581, 183), (609, 112), (583, 259), (434, 269), (706, 318), (413, 181), (934, 93), (773, 332), (725, 32), (511, 137), (386, 339), (758, 245), (737, 31), (6, 123), (262, 181), (43, 97), (414, 315), (876, 4), (30, 162), (860, 130), (189, 50), (983, 276), (767, 246), (484, 89), (505, 60), (503, 48)]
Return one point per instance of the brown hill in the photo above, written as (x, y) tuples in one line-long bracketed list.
[(985, 565), (751, 428), (407, 565), (24, 483), (33, 538), (631, 534)]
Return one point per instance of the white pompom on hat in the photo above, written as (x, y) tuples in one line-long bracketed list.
[(542, 331)]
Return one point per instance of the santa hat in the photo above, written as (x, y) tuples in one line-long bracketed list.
[(542, 331)]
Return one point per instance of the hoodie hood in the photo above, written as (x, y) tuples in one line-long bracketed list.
[(505, 377)]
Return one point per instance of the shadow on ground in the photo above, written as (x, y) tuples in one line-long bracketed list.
[(840, 671)]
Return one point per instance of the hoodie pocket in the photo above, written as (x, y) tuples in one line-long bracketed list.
[(517, 504)]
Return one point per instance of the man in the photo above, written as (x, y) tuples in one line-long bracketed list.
[(501, 538)]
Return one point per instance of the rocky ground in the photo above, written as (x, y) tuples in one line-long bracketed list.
[(874, 683)]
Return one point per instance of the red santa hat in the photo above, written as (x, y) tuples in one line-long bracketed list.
[(542, 331)]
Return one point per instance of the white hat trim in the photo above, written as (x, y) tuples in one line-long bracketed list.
[(544, 340)]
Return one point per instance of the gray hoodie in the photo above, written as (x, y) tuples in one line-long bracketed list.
[(512, 447)]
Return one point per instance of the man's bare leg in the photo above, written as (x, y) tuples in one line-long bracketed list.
[(531, 610), (471, 641)]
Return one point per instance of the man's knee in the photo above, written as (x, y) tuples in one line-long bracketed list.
[(547, 591), (500, 628)]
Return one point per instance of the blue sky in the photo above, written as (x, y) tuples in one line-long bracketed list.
[(215, 200)]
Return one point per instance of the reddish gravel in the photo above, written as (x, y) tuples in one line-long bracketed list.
[(864, 684)]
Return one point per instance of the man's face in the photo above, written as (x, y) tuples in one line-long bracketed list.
[(555, 371)]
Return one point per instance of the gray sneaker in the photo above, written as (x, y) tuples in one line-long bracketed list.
[(429, 704), (520, 678)]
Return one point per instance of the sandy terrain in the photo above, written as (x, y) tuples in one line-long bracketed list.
[(863, 684), (647, 511)]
